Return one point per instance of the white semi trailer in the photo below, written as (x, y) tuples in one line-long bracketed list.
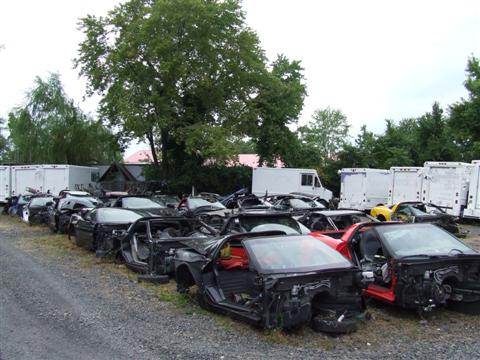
[(52, 178), (405, 184), (363, 189), (446, 184), (473, 203), (4, 183), (275, 181)]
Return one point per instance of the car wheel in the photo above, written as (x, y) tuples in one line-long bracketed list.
[(332, 326)]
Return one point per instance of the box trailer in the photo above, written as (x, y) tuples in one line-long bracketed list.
[(405, 184), (52, 178), (363, 189), (5, 183), (473, 204), (275, 181), (446, 184)]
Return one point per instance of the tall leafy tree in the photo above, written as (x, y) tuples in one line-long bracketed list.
[(464, 119), (278, 105), (180, 74), (49, 128), (326, 133)]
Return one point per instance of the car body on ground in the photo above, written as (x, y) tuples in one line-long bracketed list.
[(298, 205), (95, 229), (415, 266), (143, 203), (331, 221), (61, 210), (36, 210), (417, 212), (273, 280), (149, 244)]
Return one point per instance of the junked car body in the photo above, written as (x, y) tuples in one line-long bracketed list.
[(273, 280), (332, 221), (96, 229), (417, 212), (61, 210), (416, 266), (36, 210)]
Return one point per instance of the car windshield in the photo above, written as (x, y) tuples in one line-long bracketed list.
[(270, 223), (41, 201), (344, 221), (112, 215), (195, 203), (420, 239), (140, 203), (294, 254), (305, 204)]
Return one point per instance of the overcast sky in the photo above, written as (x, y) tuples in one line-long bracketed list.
[(371, 59)]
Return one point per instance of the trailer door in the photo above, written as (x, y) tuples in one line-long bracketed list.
[(55, 179), (442, 186), (354, 190)]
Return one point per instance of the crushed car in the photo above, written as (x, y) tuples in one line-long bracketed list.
[(36, 210), (207, 208), (149, 244), (69, 203), (415, 266), (255, 220), (333, 221), (147, 204), (97, 229), (418, 212), (298, 205), (274, 281)]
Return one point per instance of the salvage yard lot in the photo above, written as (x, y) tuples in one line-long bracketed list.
[(154, 321)]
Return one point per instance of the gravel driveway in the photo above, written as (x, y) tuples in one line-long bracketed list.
[(59, 302)]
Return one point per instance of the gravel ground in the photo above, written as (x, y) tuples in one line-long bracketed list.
[(59, 302)]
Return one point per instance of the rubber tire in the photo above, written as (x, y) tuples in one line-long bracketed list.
[(333, 327)]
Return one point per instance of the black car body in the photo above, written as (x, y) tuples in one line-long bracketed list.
[(273, 281), (298, 205), (418, 212), (333, 220), (97, 229), (60, 212), (206, 208), (36, 210), (261, 221), (150, 242), (146, 204)]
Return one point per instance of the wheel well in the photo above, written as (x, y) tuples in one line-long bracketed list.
[(381, 217), (184, 277)]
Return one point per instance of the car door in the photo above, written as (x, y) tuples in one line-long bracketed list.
[(84, 231)]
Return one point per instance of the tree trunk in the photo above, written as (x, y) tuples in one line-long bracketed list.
[(165, 167), (152, 148)]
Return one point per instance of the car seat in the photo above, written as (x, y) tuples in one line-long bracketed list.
[(370, 246)]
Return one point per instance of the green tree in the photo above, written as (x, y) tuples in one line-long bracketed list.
[(49, 128), (278, 105), (181, 75), (464, 121), (325, 134)]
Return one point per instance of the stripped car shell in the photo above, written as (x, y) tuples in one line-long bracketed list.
[(274, 281), (97, 229), (150, 243), (415, 266)]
